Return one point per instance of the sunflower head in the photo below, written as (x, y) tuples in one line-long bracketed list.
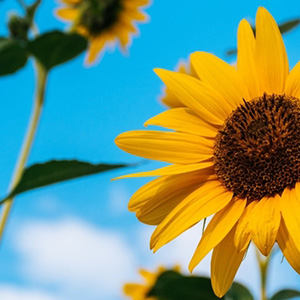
[(103, 21), (234, 154)]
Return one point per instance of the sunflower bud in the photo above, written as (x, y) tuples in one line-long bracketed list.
[(18, 27)]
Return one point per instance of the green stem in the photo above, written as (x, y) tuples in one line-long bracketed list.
[(263, 266), (41, 74), (22, 4)]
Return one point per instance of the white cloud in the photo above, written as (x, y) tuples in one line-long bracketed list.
[(75, 257), (9, 292)]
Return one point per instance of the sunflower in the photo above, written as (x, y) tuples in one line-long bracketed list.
[(138, 291), (103, 21), (234, 151)]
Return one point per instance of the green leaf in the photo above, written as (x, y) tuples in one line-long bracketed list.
[(170, 285), (13, 56), (56, 47), (238, 292), (289, 25), (55, 171), (285, 294)]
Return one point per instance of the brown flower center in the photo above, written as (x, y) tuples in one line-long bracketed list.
[(98, 15), (257, 150)]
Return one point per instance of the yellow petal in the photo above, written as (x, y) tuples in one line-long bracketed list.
[(68, 14), (264, 223), (225, 262), (70, 2), (134, 290), (194, 94), (173, 147), (184, 120), (290, 208), (95, 48), (242, 232), (272, 62), (288, 247), (171, 170), (292, 86), (135, 3), (169, 98), (137, 15), (165, 187), (217, 229), (154, 212), (221, 76), (203, 202), (148, 276), (246, 64)]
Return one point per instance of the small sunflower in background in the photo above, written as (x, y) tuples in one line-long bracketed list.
[(234, 150), (139, 291), (103, 22)]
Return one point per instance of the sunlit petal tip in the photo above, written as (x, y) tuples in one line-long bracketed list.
[(272, 62)]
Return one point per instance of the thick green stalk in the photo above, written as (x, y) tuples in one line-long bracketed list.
[(41, 74)]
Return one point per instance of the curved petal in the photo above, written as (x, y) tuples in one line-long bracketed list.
[(172, 147), (172, 170), (217, 229), (223, 77), (68, 14), (272, 63), (96, 46), (134, 290), (154, 212), (288, 247), (155, 200), (290, 207), (264, 223), (193, 93), (184, 120), (225, 262), (242, 232), (246, 64), (203, 202), (292, 86), (170, 100)]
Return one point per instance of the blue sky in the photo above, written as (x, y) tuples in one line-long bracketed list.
[(76, 240)]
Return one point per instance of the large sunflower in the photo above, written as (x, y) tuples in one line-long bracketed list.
[(103, 21), (234, 151)]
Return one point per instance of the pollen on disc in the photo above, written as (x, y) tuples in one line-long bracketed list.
[(257, 150)]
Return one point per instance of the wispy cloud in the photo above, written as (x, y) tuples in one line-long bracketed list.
[(10, 292), (75, 257)]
